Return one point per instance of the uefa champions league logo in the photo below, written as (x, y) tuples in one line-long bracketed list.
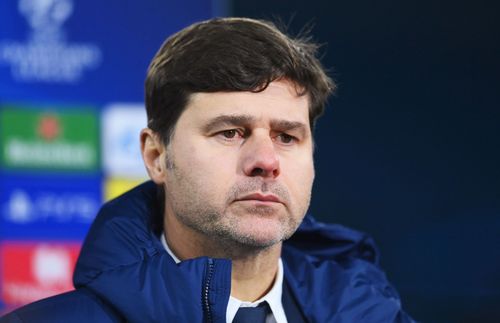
[(46, 17), (48, 56)]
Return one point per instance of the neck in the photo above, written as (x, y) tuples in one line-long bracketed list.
[(253, 269), (253, 277)]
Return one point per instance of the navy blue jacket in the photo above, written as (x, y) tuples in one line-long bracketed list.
[(124, 274)]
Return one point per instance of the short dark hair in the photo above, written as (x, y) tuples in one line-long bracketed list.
[(230, 54)]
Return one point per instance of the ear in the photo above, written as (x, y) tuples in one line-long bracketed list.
[(153, 153)]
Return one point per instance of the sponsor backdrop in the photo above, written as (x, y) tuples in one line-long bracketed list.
[(408, 149), (71, 92)]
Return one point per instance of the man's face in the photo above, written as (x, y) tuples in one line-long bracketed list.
[(240, 165)]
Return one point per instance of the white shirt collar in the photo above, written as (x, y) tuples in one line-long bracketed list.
[(273, 297)]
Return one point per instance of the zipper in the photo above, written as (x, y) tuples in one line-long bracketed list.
[(208, 280)]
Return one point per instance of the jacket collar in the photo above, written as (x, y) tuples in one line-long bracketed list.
[(122, 260)]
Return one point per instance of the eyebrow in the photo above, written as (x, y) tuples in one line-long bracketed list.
[(286, 125), (228, 120), (243, 120)]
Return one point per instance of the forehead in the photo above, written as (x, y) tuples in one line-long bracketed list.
[(278, 101)]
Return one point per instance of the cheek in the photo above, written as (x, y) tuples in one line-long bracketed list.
[(300, 177), (213, 172)]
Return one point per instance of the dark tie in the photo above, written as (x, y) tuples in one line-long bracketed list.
[(252, 314)]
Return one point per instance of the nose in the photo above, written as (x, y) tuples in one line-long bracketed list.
[(260, 158)]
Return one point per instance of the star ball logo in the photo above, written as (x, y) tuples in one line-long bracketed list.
[(46, 17), (49, 127), (46, 56)]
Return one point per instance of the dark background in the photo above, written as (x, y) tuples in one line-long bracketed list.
[(408, 149)]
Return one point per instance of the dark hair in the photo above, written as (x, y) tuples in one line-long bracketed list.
[(230, 54)]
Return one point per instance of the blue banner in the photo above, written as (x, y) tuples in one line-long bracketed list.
[(48, 207), (59, 58), (98, 51)]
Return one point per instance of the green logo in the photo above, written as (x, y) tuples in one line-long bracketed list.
[(49, 138)]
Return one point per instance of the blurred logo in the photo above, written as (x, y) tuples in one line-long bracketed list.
[(31, 271), (46, 17), (20, 208), (121, 127), (63, 140), (46, 56), (47, 206), (51, 266), (49, 127)]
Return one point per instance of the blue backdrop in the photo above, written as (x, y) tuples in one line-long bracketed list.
[(408, 149), (71, 93)]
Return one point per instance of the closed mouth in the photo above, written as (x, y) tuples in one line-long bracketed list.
[(261, 198)]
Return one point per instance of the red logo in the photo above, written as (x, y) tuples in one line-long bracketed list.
[(49, 127), (31, 271)]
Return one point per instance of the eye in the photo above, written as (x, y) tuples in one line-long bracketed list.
[(229, 134), (286, 138)]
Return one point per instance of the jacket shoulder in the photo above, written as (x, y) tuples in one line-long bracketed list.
[(334, 274), (72, 307)]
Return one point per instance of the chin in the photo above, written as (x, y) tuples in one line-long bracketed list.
[(257, 243), (261, 235)]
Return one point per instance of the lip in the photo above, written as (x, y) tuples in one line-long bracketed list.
[(261, 198)]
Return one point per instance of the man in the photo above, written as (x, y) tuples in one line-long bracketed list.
[(231, 106)]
